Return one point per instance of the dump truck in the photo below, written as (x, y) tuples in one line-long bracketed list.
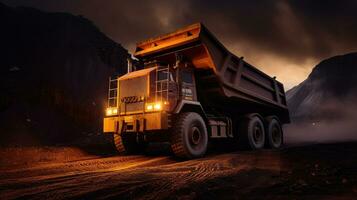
[(190, 92)]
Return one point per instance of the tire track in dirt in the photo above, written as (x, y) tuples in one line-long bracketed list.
[(91, 165), (141, 177), (177, 175), (49, 182), (132, 176)]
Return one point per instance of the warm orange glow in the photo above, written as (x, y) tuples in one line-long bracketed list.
[(149, 107), (111, 111), (157, 106)]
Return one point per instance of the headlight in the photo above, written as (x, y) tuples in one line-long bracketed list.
[(111, 111), (154, 106), (157, 106), (149, 107)]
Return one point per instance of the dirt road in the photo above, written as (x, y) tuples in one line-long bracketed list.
[(314, 171)]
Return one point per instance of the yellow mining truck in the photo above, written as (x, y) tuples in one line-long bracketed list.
[(191, 91)]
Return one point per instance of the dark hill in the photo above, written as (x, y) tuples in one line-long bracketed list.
[(54, 69), (329, 92)]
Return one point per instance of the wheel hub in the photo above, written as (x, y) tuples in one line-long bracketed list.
[(195, 136), (257, 134), (276, 137)]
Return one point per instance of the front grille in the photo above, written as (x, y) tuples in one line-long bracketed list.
[(132, 107), (132, 93)]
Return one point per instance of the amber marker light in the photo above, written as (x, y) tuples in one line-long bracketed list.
[(157, 106), (149, 107), (111, 111)]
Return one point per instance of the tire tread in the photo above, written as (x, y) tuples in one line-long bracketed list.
[(177, 143)]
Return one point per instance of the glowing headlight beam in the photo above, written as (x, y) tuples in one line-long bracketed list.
[(149, 107), (157, 106), (111, 111)]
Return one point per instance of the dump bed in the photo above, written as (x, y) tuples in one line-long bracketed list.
[(222, 72)]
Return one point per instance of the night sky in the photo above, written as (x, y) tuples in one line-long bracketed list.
[(283, 38)]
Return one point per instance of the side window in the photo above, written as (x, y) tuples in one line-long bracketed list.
[(187, 77), (162, 75)]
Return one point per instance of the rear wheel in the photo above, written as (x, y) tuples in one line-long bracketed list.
[(252, 133), (274, 133), (189, 136), (127, 144)]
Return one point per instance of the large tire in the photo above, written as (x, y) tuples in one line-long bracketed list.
[(252, 133), (189, 136), (274, 133), (127, 144)]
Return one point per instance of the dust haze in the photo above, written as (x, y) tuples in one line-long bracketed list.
[(335, 122)]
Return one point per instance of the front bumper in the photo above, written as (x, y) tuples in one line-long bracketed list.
[(136, 122)]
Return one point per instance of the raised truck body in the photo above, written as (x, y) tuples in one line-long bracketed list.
[(193, 90)]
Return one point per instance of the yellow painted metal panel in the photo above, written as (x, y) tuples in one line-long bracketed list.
[(136, 74), (109, 124), (147, 121)]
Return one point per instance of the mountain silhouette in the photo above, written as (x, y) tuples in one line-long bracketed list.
[(54, 71), (329, 92)]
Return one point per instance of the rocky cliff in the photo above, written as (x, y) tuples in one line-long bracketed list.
[(329, 92), (54, 69)]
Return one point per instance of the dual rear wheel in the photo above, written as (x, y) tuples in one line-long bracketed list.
[(254, 133), (189, 136)]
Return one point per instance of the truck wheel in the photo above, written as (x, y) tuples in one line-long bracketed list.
[(189, 136), (127, 144), (252, 133), (274, 133)]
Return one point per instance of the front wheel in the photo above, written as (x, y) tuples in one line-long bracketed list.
[(189, 136)]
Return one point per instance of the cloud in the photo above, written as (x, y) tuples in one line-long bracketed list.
[(284, 35)]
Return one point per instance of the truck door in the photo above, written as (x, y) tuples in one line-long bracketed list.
[(187, 86)]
